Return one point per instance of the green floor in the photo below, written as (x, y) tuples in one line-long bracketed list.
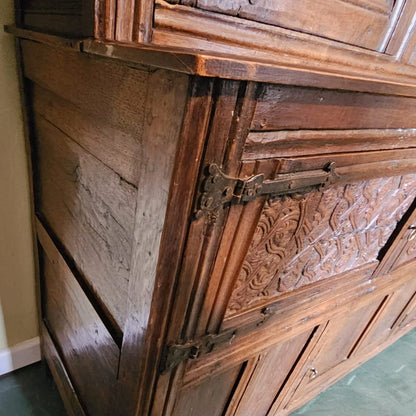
[(383, 386), (30, 391)]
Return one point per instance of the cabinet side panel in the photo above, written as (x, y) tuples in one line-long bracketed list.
[(86, 346)]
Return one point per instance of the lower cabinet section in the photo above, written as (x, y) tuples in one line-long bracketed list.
[(287, 374)]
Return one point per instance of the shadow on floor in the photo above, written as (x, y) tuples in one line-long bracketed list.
[(30, 391)]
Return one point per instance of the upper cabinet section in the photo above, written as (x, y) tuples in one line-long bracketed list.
[(364, 23), (64, 17), (360, 45)]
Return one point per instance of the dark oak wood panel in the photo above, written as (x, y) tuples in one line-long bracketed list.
[(209, 397), (363, 24), (118, 150), (67, 17), (112, 93), (151, 264), (270, 372), (90, 209), (86, 346), (60, 375), (279, 107), (292, 143)]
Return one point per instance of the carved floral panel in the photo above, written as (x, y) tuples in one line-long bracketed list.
[(303, 239)]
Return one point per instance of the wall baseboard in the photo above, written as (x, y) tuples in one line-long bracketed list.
[(20, 355)]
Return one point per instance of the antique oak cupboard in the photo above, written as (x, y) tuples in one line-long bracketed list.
[(224, 197)]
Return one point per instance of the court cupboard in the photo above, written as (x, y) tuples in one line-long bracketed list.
[(224, 197)]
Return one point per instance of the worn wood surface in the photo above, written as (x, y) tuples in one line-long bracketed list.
[(118, 150), (68, 17), (279, 107), (165, 110), (197, 113), (350, 22), (113, 94), (60, 375), (292, 143), (209, 396), (270, 372), (90, 209), (88, 349)]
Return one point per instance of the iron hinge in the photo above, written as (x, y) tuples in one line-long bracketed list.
[(175, 354), (219, 189)]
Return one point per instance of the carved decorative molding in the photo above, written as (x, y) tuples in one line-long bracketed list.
[(304, 239)]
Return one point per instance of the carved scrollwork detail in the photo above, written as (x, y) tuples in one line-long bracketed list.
[(299, 241)]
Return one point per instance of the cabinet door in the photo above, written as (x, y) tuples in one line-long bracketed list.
[(328, 360), (363, 23), (247, 388), (392, 313)]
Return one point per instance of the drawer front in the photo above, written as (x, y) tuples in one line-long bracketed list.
[(88, 350), (362, 23), (280, 107)]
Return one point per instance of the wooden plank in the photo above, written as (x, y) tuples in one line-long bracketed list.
[(184, 182), (118, 150), (279, 107), (66, 25), (293, 143), (112, 93), (90, 209), (124, 20), (60, 375), (303, 163), (143, 21), (87, 347), (209, 397), (273, 366), (340, 20), (165, 109)]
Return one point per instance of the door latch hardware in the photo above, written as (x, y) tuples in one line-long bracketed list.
[(219, 189)]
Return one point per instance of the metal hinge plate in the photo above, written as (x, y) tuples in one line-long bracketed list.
[(176, 353), (219, 189)]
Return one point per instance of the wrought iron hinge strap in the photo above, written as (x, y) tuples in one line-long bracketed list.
[(219, 189), (176, 353)]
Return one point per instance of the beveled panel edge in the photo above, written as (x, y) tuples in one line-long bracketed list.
[(233, 65), (59, 374), (49, 243)]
